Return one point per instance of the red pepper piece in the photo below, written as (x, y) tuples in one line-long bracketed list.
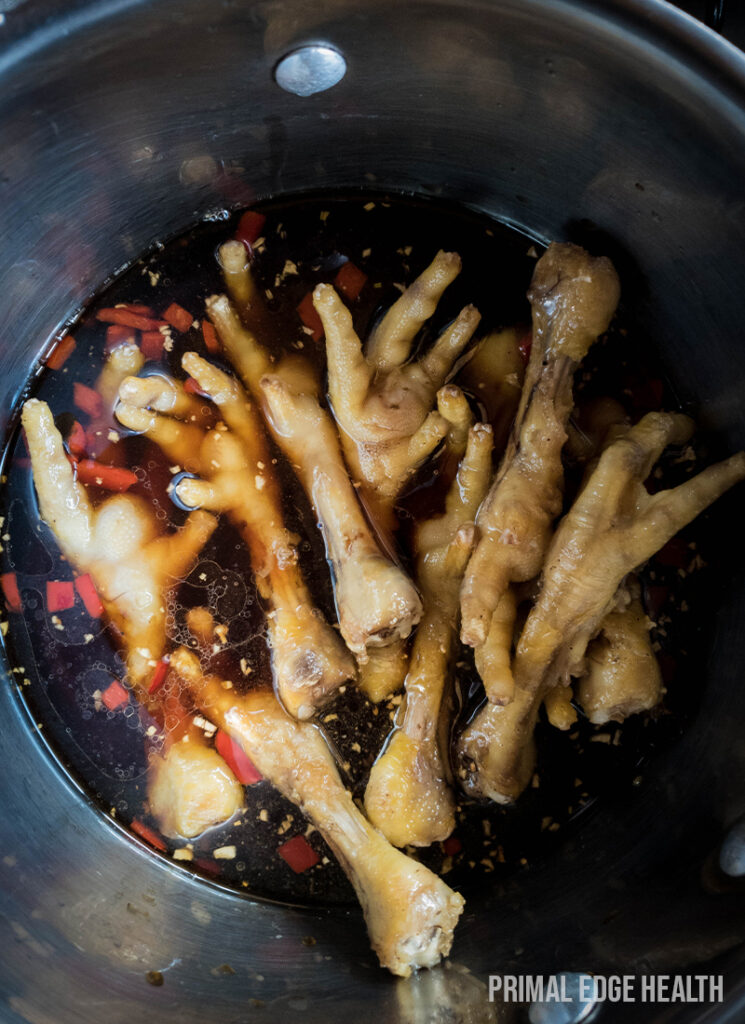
[(111, 478), (299, 854), (178, 317), (310, 317), (60, 595), (114, 696), (525, 344), (117, 334), (64, 348), (89, 596), (249, 228), (151, 344), (148, 834), (451, 846), (191, 387), (210, 866), (88, 400), (126, 318), (350, 281), (211, 341), (9, 583), (237, 759), (77, 441), (159, 676)]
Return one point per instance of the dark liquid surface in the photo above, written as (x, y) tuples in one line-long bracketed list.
[(62, 661)]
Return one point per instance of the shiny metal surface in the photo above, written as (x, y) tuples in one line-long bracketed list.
[(732, 853), (576, 1004), (310, 69), (623, 122)]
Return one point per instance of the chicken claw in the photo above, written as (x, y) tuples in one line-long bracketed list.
[(573, 297), (119, 544), (408, 796), (410, 912), (494, 657), (613, 527), (309, 660), (384, 404), (132, 565), (377, 603)]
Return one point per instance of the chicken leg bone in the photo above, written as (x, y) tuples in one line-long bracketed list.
[(410, 912)]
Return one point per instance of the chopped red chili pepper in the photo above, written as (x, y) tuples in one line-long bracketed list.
[(299, 854), (151, 344), (111, 478), (64, 348), (249, 228), (191, 387), (237, 760), (159, 676), (88, 400), (9, 583), (114, 696), (60, 595), (89, 596), (122, 316), (178, 317), (310, 317), (117, 334), (451, 846), (211, 341), (350, 281), (148, 834), (210, 866), (76, 440)]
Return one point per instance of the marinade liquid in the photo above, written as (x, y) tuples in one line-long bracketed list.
[(64, 659)]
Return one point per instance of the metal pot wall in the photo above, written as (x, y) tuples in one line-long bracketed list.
[(122, 122)]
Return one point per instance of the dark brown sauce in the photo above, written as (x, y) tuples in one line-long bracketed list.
[(60, 665)]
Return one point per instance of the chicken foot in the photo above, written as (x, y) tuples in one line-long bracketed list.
[(132, 564), (622, 676), (377, 603), (408, 796), (309, 660), (613, 527), (385, 670), (573, 297), (384, 404), (410, 912)]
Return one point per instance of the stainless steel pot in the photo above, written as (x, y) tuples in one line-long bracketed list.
[(121, 122)]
